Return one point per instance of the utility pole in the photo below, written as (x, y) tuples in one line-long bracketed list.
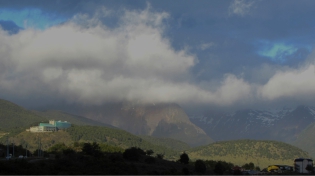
[(39, 152), (38, 147), (26, 150), (7, 147), (13, 149)]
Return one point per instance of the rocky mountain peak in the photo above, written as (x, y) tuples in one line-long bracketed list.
[(162, 120)]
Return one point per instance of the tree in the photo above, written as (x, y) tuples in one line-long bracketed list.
[(57, 148), (184, 158), (133, 153), (91, 149), (257, 168), (249, 166), (200, 166)]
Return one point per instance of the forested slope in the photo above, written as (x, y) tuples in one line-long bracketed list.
[(13, 116), (167, 142)]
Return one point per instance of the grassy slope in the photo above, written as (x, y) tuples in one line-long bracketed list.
[(73, 119), (239, 152), (306, 140), (13, 116)]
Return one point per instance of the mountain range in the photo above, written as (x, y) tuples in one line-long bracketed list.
[(280, 124), (168, 120)]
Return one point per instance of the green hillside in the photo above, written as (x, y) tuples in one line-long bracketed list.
[(13, 116), (73, 119), (167, 142), (239, 152), (110, 136), (306, 140)]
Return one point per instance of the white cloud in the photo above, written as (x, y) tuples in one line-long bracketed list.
[(93, 64), (294, 83), (241, 7), (89, 63)]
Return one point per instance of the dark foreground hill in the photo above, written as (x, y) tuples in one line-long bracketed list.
[(95, 159), (262, 153), (112, 164)]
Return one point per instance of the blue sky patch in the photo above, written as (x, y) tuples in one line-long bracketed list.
[(277, 52), (30, 18)]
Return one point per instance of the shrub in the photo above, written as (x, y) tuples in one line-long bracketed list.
[(160, 156), (149, 152)]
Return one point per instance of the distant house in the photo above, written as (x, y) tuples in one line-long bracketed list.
[(51, 126), (300, 165)]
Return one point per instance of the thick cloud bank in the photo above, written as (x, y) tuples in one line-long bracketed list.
[(86, 62)]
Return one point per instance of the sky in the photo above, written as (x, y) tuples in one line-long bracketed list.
[(232, 54)]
